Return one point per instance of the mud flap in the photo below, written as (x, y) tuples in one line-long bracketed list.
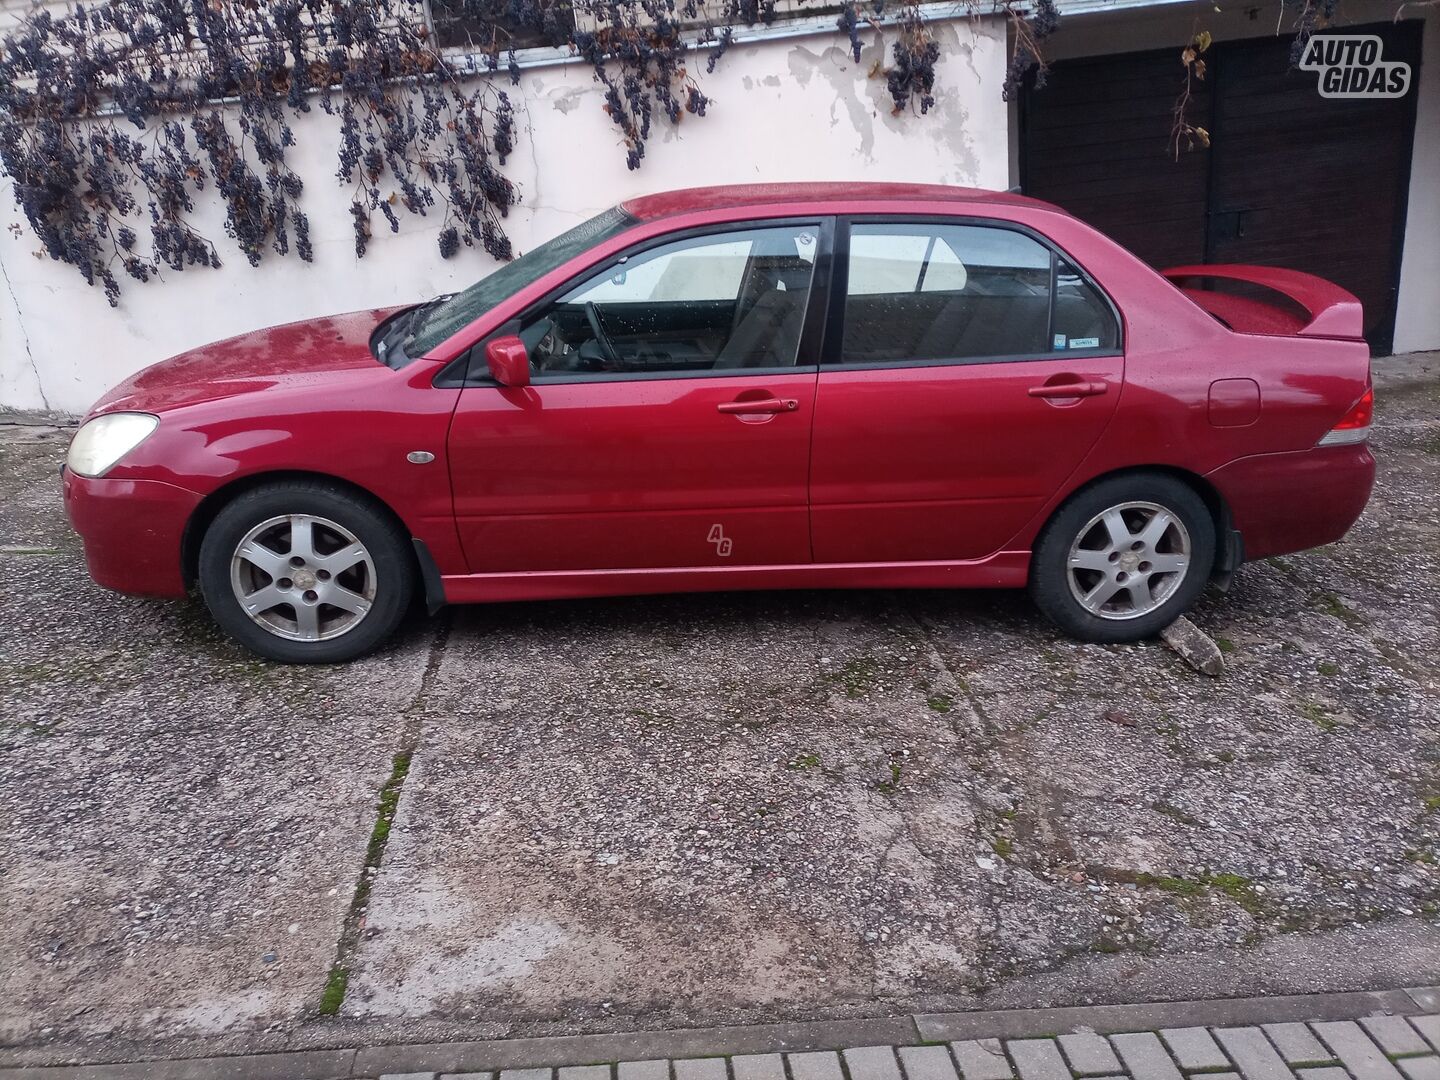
[(1228, 558), (429, 576)]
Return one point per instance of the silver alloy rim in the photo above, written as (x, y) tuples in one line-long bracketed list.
[(1128, 560), (303, 577)]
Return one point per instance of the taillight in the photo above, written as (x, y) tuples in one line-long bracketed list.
[(1354, 426)]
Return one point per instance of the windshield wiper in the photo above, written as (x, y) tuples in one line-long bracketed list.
[(417, 313), (392, 348)]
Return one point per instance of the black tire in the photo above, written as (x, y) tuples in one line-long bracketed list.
[(1050, 571), (391, 561)]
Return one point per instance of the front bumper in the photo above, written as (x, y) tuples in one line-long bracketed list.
[(1292, 501), (133, 531)]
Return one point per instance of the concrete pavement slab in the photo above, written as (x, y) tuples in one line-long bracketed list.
[(864, 1063), (183, 823), (927, 1063), (1395, 1035), (1297, 1044), (1089, 1055), (1194, 1049), (1420, 1068)]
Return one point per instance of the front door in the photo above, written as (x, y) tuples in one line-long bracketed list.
[(975, 369), (668, 420)]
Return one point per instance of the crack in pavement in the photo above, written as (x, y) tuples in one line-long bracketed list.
[(337, 983)]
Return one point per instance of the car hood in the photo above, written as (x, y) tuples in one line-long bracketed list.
[(294, 355)]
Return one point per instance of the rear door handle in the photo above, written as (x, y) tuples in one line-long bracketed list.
[(1069, 389), (760, 405)]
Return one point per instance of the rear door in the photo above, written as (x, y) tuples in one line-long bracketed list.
[(668, 419), (968, 369)]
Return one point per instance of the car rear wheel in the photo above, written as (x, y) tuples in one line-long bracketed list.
[(1124, 558), (303, 572)]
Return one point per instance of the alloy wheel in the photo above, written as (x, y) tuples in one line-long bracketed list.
[(303, 577), (1128, 560)]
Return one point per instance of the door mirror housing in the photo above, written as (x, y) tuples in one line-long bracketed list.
[(508, 360)]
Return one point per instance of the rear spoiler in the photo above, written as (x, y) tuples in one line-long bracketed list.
[(1330, 311)]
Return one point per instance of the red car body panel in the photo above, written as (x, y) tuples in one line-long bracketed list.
[(627, 475), (133, 531), (939, 475), (927, 463)]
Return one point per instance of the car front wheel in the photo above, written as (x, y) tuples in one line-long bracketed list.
[(1124, 558), (303, 572)]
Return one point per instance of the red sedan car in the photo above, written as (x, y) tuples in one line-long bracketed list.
[(783, 386)]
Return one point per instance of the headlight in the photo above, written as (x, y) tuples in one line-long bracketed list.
[(105, 440)]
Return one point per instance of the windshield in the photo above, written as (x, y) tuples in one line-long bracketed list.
[(436, 323)]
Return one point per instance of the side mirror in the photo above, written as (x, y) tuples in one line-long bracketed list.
[(508, 361)]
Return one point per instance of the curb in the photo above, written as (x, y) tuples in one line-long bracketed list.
[(550, 1052)]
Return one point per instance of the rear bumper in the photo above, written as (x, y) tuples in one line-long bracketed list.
[(1289, 502), (133, 530)]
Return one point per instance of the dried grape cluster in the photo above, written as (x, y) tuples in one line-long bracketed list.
[(115, 115), (1028, 35), (913, 75)]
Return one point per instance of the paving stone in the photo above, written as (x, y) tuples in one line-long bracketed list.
[(819, 1065), (1223, 1076), (1089, 1055), (867, 1063), (981, 1059), (1333, 1072), (1429, 1026), (1194, 1049), (1420, 1068), (524, 1074), (655, 1069), (1038, 1059), (408, 1076), (1145, 1056), (1297, 1044), (758, 1067), (1255, 1054), (468, 1076), (1363, 1059), (927, 1063), (585, 1072), (698, 1069), (1395, 1035)]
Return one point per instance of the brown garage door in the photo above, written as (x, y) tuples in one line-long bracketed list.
[(1292, 179)]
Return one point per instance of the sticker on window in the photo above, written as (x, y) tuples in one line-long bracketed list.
[(1084, 342), (1059, 341)]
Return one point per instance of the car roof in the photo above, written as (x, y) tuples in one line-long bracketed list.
[(663, 204)]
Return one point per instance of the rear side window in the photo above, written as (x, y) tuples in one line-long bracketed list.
[(1081, 318), (929, 293)]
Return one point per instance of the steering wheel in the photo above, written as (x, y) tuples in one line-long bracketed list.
[(597, 328)]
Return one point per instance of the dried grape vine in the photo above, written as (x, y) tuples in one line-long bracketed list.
[(116, 116)]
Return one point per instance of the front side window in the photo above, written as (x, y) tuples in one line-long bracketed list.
[(718, 302), (934, 292)]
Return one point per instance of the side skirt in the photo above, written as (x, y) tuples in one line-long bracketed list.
[(1003, 570)]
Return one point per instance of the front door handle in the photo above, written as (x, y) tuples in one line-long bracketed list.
[(760, 405), (1068, 390)]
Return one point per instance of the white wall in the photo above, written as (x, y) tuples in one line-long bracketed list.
[(784, 109), (1417, 315)]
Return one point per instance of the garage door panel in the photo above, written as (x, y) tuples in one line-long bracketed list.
[(1292, 179)]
